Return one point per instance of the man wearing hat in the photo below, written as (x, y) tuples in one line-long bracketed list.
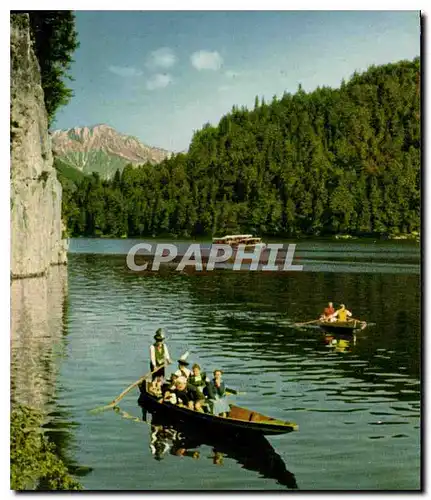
[(159, 354), (183, 371)]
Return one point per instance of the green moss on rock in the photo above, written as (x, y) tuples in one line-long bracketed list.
[(34, 462)]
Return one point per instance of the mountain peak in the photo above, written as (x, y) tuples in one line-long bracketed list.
[(100, 148)]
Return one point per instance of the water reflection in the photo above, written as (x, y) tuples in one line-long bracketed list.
[(38, 326), (340, 343), (37, 318), (255, 453)]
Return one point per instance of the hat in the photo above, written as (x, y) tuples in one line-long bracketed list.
[(183, 360), (159, 335)]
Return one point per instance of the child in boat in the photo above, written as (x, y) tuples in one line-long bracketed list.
[(155, 387), (183, 371), (168, 390), (169, 396), (198, 378), (216, 392), (187, 395)]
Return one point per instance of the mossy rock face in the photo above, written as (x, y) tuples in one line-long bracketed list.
[(34, 464)]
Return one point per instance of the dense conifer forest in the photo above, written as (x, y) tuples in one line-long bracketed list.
[(344, 160)]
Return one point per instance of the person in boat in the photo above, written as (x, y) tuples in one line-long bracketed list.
[(156, 387), (198, 378), (168, 391), (159, 355), (342, 314), (188, 395), (217, 457), (216, 393), (328, 312), (183, 371), (171, 381)]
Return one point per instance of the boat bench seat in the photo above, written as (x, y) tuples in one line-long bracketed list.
[(247, 415), (257, 417)]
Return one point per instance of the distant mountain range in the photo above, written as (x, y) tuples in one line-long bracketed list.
[(102, 149)]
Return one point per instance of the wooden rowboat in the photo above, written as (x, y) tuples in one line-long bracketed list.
[(240, 420), (342, 327)]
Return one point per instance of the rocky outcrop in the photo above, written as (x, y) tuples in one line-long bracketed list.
[(36, 226), (102, 149)]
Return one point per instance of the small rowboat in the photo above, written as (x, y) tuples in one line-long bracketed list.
[(342, 327), (239, 420)]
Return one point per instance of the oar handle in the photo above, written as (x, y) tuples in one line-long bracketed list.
[(307, 322), (233, 392), (127, 390), (139, 381)]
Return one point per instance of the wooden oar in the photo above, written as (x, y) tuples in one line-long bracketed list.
[(232, 392), (358, 320), (307, 322), (128, 389)]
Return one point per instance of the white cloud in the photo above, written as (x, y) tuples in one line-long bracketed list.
[(159, 81), (206, 60), (162, 58), (125, 71), (224, 88)]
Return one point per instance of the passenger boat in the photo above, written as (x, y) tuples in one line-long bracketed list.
[(239, 420), (234, 240), (342, 327)]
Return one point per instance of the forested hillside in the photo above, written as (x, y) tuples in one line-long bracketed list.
[(341, 160)]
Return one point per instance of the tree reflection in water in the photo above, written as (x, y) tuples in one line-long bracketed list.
[(253, 453)]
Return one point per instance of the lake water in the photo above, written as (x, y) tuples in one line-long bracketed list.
[(356, 401)]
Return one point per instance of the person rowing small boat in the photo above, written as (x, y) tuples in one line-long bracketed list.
[(328, 313), (340, 321), (341, 314)]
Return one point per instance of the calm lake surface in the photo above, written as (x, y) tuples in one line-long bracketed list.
[(356, 401)]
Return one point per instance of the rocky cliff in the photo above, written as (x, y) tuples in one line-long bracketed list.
[(36, 226), (102, 149)]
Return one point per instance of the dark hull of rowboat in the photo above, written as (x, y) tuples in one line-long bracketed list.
[(342, 328), (242, 421)]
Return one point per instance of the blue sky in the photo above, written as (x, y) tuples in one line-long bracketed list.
[(161, 75)]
